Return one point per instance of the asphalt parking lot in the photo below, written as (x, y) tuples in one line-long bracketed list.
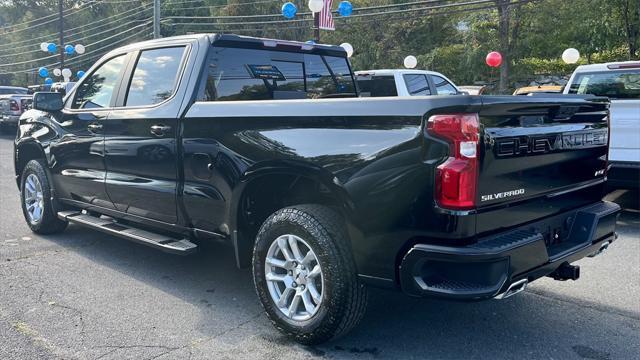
[(86, 295)]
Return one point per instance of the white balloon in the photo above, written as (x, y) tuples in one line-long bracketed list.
[(66, 73), (410, 62), (570, 56), (348, 48), (79, 48), (43, 46), (316, 5), (57, 72)]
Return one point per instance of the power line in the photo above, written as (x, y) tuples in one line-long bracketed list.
[(110, 47), (79, 60), (84, 37), (44, 22), (109, 29), (217, 6), (308, 19), (221, 26), (116, 17), (119, 16)]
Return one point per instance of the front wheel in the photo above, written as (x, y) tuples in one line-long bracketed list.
[(37, 203), (305, 275)]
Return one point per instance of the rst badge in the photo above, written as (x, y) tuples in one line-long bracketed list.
[(502, 195)]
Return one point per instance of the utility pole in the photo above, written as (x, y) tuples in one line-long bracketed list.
[(156, 19), (61, 34)]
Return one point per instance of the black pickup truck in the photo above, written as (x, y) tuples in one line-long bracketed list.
[(264, 144)]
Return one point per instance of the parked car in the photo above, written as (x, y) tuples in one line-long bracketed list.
[(9, 90), (402, 82), (264, 144), (620, 82), (547, 89), (11, 107)]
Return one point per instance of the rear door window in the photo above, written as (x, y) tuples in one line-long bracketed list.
[(612, 84), (249, 74), (443, 87), (377, 86), (417, 84), (155, 76)]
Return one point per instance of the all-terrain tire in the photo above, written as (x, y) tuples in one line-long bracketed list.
[(344, 298)]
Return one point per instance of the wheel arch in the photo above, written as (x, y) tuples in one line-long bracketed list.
[(26, 151), (270, 186)]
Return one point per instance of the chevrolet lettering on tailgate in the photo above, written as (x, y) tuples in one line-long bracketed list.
[(523, 145)]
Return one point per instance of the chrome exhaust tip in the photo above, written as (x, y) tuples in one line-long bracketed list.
[(513, 289), (603, 248)]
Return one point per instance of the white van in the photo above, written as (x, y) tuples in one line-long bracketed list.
[(620, 81)]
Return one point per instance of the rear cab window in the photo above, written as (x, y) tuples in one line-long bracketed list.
[(155, 76), (377, 85), (259, 74), (443, 87), (623, 84), (417, 84)]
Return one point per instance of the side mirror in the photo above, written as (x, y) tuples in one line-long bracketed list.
[(47, 101)]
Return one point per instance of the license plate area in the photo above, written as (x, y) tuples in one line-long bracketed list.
[(581, 229)]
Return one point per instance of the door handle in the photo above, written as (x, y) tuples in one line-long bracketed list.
[(94, 127), (160, 130)]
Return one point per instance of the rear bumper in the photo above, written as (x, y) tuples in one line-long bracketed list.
[(624, 174), (487, 268)]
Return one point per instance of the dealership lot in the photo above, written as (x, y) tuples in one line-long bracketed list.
[(86, 295)]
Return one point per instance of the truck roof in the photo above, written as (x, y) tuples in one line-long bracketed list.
[(609, 66), (244, 41), (396, 71)]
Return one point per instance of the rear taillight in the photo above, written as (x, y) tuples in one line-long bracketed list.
[(457, 177), (13, 105)]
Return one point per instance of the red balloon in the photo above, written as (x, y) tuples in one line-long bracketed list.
[(494, 59)]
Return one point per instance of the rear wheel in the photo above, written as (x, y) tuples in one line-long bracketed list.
[(37, 203), (305, 275)]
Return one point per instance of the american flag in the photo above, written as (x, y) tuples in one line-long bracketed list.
[(326, 18)]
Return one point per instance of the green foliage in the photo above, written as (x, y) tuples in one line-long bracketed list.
[(454, 43)]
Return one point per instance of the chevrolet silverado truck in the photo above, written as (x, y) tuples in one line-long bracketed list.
[(264, 144)]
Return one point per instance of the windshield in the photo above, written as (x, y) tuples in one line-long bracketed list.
[(614, 84), (255, 74)]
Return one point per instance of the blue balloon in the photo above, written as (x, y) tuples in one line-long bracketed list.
[(289, 10), (52, 48), (48, 81), (80, 74), (43, 72), (69, 49), (345, 8)]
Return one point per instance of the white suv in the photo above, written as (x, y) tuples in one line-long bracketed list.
[(620, 81)]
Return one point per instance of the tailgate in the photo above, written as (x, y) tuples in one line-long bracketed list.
[(540, 146), (625, 127)]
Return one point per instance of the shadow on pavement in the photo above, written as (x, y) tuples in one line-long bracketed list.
[(394, 326)]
